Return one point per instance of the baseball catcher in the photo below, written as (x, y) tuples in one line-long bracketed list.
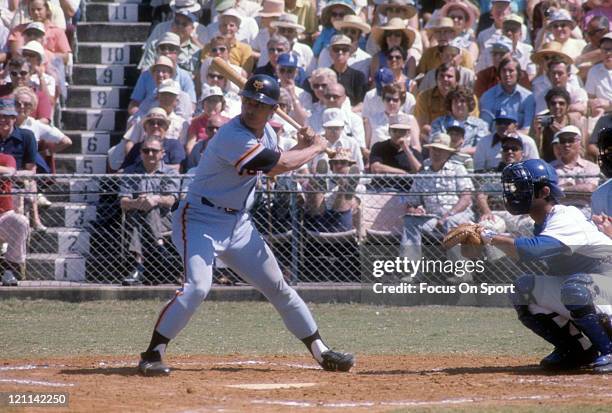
[(569, 306)]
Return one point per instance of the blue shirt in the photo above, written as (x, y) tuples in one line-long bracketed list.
[(521, 102), (475, 129), (601, 200), (174, 153), (221, 175), (21, 145), (145, 86)]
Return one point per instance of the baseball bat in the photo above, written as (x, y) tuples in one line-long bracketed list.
[(225, 69)]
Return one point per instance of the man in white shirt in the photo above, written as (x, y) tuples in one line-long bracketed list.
[(599, 80), (558, 75)]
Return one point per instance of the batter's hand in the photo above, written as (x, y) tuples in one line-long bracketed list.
[(305, 136)]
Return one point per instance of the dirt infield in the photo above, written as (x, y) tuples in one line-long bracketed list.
[(378, 383)]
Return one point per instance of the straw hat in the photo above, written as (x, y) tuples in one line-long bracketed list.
[(156, 113), (164, 61), (550, 49), (442, 141), (471, 12), (353, 21), (272, 8), (343, 154), (404, 4), (378, 32), (440, 23), (288, 20)]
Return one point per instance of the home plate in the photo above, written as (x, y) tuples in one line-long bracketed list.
[(270, 386)]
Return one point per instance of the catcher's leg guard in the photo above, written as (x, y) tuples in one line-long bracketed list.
[(569, 352), (577, 294)]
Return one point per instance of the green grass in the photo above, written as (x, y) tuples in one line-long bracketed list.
[(53, 328)]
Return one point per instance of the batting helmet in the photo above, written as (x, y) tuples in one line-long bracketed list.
[(604, 143), (262, 88), (522, 180)]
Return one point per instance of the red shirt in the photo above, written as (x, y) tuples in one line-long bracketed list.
[(55, 39), (6, 201)]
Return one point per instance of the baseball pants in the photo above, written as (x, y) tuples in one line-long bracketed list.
[(201, 233), (14, 230)]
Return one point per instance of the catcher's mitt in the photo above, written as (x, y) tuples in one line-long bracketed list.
[(466, 234)]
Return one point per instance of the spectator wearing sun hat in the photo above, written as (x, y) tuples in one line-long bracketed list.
[(240, 53), (354, 81), (248, 25), (159, 30), (270, 12), (305, 12), (463, 15), (334, 10), (443, 30), (395, 33), (287, 26), (561, 24), (576, 175), (353, 27), (500, 9)]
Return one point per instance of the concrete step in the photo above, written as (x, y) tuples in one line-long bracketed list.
[(94, 119), (80, 164), (73, 190), (98, 97), (60, 240), (92, 143), (112, 32), (114, 12), (105, 75), (68, 215), (110, 53), (61, 267)]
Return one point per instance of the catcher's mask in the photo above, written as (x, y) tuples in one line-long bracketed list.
[(604, 143), (522, 180)]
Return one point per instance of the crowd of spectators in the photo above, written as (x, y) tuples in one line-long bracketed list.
[(396, 86)]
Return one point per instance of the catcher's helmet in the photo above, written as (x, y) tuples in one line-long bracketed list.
[(604, 143), (262, 88), (522, 180)]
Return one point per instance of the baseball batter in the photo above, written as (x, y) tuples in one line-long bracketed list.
[(213, 221), (570, 307)]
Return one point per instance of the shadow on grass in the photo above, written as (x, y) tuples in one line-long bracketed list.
[(525, 370)]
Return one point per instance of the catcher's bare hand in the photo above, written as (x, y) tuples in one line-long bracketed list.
[(469, 234)]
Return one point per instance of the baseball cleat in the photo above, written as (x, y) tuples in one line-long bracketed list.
[(565, 359), (151, 365), (603, 364), (337, 361)]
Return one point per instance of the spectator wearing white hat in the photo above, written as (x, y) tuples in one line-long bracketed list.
[(199, 30), (333, 128), (353, 27), (167, 94), (271, 11), (248, 30), (213, 104), (34, 53), (183, 107), (396, 155), (288, 27), (579, 187), (240, 53), (52, 38)]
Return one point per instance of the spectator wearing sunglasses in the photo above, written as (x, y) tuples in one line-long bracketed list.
[(168, 47), (596, 28), (354, 81), (334, 10), (240, 54), (156, 123), (354, 28), (147, 203), (219, 47), (287, 26), (19, 71), (204, 135), (561, 25)]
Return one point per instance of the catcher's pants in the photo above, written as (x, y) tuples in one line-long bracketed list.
[(546, 295), (202, 233), (415, 226), (14, 230)]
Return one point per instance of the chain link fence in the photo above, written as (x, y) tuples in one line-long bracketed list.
[(322, 229)]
